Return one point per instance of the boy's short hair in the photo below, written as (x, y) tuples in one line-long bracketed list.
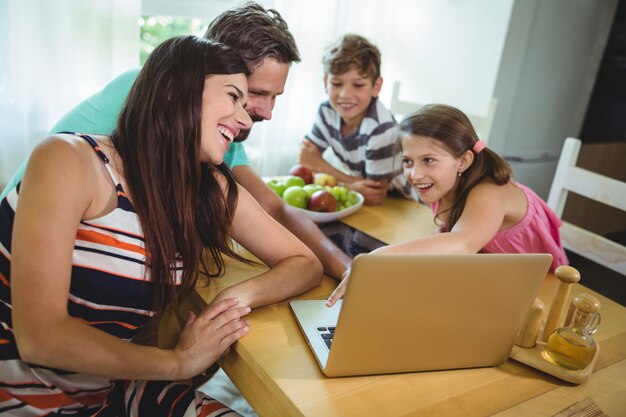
[(352, 52), (256, 33)]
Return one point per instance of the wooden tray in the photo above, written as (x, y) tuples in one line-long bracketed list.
[(538, 358)]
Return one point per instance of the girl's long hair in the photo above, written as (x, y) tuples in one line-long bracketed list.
[(178, 199), (453, 129)]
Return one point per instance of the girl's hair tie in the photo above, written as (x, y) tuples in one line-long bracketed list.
[(478, 146)]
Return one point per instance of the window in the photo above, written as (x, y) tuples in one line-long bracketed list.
[(156, 29)]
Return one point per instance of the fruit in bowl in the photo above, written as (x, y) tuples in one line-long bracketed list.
[(343, 208), (292, 180), (296, 196), (323, 179), (322, 201), (312, 188), (277, 186), (303, 172)]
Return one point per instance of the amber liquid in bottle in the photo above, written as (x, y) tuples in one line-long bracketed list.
[(570, 349), (573, 346)]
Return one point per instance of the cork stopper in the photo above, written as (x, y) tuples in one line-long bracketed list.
[(587, 303), (566, 273)]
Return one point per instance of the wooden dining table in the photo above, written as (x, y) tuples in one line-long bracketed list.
[(276, 372)]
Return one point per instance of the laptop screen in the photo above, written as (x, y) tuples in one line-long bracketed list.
[(350, 240)]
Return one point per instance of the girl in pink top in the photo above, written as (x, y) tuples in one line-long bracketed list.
[(477, 204)]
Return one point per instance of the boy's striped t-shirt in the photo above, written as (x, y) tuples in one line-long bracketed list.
[(372, 152)]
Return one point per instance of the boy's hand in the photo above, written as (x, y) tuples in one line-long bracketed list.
[(310, 156), (373, 191)]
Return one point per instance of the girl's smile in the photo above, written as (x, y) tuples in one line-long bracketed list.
[(430, 168)]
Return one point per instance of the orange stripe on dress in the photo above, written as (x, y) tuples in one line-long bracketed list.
[(46, 401), (4, 280), (102, 239), (93, 399), (4, 341), (210, 408), (5, 396), (173, 405)]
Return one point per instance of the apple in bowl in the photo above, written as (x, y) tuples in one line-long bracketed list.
[(303, 172), (322, 201), (324, 179)]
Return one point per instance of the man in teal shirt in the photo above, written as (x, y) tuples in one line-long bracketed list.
[(265, 43)]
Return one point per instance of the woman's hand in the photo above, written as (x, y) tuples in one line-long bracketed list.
[(208, 336), (339, 291)]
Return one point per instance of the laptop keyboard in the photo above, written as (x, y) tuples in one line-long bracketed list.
[(327, 333)]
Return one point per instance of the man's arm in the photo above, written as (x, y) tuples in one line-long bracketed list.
[(334, 260)]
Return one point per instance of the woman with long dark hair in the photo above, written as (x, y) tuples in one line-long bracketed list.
[(110, 229)]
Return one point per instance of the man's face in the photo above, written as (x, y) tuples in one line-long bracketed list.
[(264, 84)]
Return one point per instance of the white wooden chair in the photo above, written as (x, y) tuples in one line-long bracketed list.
[(606, 190), (482, 124)]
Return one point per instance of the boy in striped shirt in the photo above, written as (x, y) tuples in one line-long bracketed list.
[(355, 124)]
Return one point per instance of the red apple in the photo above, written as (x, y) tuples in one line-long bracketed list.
[(303, 172), (322, 201)]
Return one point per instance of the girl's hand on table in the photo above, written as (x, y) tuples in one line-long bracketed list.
[(209, 335), (339, 291)]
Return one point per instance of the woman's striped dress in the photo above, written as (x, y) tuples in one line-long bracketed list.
[(110, 292)]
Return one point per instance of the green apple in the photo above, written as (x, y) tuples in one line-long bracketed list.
[(296, 196), (277, 186), (311, 188), (292, 180)]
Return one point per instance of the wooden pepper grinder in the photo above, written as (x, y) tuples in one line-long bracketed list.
[(527, 336), (567, 276)]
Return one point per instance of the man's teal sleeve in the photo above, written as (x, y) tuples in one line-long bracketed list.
[(98, 115)]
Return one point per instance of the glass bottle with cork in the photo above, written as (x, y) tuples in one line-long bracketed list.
[(572, 346)]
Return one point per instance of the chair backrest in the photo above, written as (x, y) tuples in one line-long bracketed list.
[(606, 190), (482, 124)]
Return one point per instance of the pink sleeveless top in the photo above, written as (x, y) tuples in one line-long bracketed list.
[(536, 232)]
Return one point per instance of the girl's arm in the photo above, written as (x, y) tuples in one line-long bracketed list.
[(293, 267), (482, 217), (62, 185)]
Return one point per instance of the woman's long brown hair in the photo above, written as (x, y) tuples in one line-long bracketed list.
[(453, 129), (181, 206)]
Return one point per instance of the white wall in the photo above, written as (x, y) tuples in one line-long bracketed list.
[(551, 58), (53, 54), (538, 57), (441, 51)]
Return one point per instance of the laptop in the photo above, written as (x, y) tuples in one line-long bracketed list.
[(408, 313)]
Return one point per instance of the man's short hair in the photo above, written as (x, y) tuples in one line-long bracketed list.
[(352, 52), (256, 33)]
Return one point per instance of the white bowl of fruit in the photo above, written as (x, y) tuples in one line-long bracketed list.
[(318, 195)]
